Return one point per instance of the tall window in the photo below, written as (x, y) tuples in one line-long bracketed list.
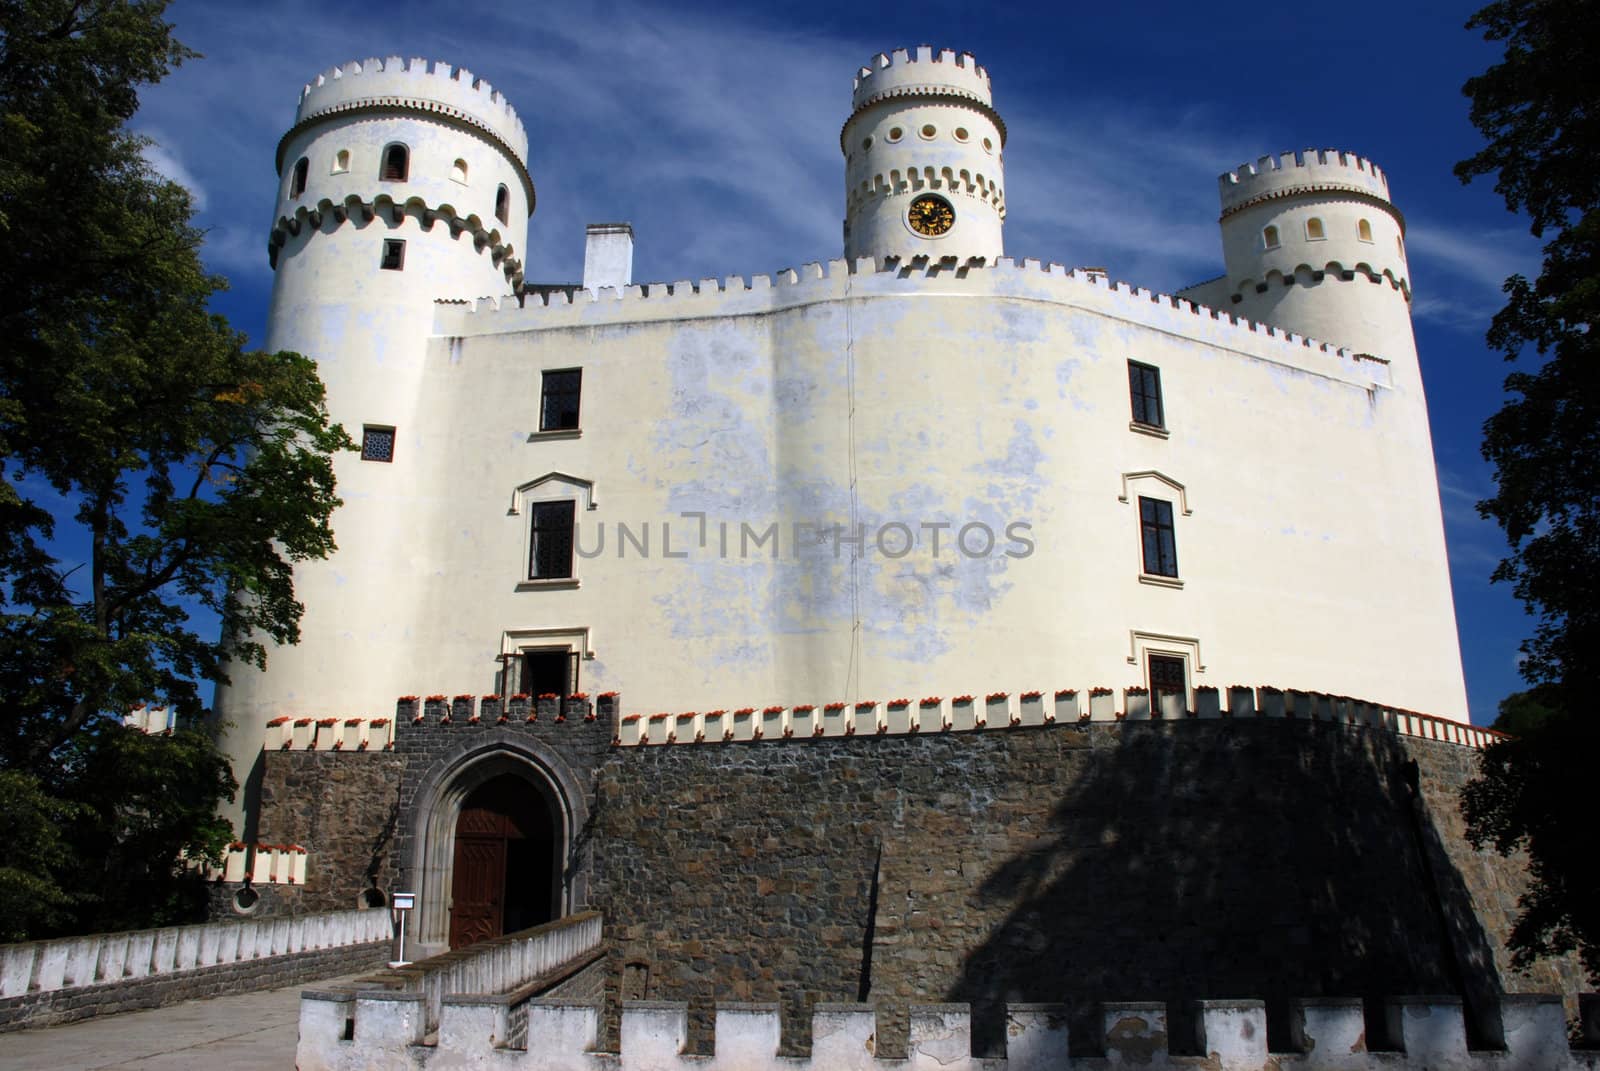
[(1167, 678), (1314, 229), (558, 405), (396, 164), (458, 171), (341, 162), (1269, 237), (297, 181), (1364, 230), (550, 549), (502, 205), (1160, 548), (1144, 386)]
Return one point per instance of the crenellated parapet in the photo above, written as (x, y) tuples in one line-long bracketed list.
[(1310, 171), (951, 180), (416, 85), (1029, 280), (375, 1028), (1001, 711), (261, 864), (905, 71)]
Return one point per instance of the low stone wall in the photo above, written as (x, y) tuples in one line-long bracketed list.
[(1230, 1036), (47, 982)]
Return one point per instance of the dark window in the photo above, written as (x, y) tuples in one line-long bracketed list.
[(1144, 385), (550, 671), (377, 444), (394, 254), (396, 164), (502, 205), (1160, 549), (297, 181), (1167, 678), (550, 553), (558, 407)]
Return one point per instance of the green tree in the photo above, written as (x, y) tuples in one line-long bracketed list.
[(156, 473), (1539, 111)]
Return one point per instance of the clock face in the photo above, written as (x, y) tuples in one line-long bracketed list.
[(931, 216)]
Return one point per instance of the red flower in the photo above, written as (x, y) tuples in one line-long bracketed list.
[(352, 721), (992, 696), (803, 708), (407, 699), (1066, 693), (302, 722), (772, 710), (436, 699), (380, 721), (520, 695), (1031, 695), (930, 701), (962, 699), (899, 702), (284, 720), (745, 710), (866, 704), (833, 706), (580, 696)]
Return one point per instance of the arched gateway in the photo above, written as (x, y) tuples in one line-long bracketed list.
[(495, 850)]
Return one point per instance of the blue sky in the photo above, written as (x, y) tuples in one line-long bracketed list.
[(713, 128)]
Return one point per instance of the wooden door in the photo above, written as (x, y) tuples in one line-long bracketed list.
[(478, 886)]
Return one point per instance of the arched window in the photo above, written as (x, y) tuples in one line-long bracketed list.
[(502, 205), (341, 162), (1364, 231), (1269, 237), (1314, 229), (458, 171), (396, 164), (297, 181)]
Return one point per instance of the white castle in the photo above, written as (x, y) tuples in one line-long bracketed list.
[(922, 468)]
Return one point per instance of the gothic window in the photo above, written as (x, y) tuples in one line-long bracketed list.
[(1364, 231), (550, 548), (341, 162), (502, 205), (458, 172), (1160, 546), (394, 254), (297, 181), (1314, 230), (396, 164), (1269, 237), (377, 443), (1144, 387), (558, 403)]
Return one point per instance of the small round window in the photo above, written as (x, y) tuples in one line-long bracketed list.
[(246, 900), (895, 133), (961, 133), (988, 146), (866, 143), (928, 130)]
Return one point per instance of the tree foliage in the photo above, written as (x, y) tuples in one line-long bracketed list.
[(155, 471), (1539, 111)]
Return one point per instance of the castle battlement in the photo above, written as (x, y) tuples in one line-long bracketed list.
[(837, 280), (413, 84), (904, 71), (372, 1027), (951, 180), (1308, 171)]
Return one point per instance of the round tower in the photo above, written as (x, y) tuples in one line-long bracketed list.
[(400, 183), (1313, 244), (924, 159)]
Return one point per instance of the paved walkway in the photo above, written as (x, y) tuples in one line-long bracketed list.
[(247, 1032)]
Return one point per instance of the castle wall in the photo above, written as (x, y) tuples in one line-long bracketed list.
[(1308, 551), (1152, 862)]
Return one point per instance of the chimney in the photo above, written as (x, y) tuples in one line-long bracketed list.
[(608, 255)]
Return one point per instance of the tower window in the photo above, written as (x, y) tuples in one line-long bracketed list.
[(1364, 231), (929, 130), (502, 205), (458, 172), (1314, 230), (1167, 677), (1144, 387), (394, 254), (895, 133), (341, 162), (988, 146), (558, 407), (1269, 237), (550, 550), (377, 443), (396, 164), (297, 181), (1156, 532), (961, 133)]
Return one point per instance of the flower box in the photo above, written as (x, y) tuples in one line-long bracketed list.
[(1102, 704), (1030, 708), (351, 738), (1170, 705), (835, 719), (631, 731), (897, 717), (1241, 701), (714, 724), (1207, 702), (997, 708), (657, 728), (930, 715), (744, 723), (802, 720), (772, 723), (304, 734), (963, 713), (1269, 702)]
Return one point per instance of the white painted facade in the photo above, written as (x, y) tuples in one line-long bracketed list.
[(882, 391)]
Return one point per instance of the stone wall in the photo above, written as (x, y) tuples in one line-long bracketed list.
[(1153, 862)]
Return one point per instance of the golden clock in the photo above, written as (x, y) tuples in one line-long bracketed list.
[(931, 216)]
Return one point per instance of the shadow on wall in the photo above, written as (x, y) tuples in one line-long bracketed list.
[(1265, 860)]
